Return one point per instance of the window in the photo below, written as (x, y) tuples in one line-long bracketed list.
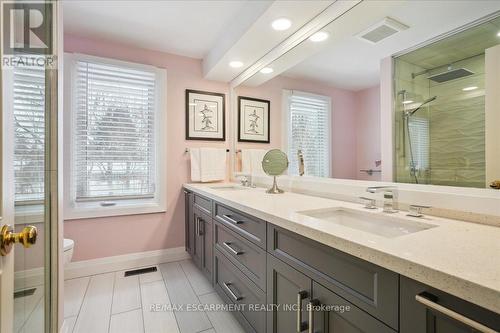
[(419, 140), (308, 130), (29, 134), (117, 141)]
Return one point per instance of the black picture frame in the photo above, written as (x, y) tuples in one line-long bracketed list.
[(208, 93), (268, 115)]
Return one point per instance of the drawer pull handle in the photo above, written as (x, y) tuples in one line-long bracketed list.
[(233, 295), (198, 226), (231, 249), (301, 326), (230, 219), (424, 299), (312, 304)]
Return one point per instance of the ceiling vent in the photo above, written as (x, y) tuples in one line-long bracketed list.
[(386, 28)]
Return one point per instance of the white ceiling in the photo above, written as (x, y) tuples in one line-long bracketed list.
[(350, 63), (188, 28)]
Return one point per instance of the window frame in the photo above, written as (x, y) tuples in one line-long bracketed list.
[(286, 137), (74, 209)]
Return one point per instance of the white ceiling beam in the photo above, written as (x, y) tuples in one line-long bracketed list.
[(250, 37), (320, 21)]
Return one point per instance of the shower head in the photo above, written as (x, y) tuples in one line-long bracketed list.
[(450, 74), (428, 100)]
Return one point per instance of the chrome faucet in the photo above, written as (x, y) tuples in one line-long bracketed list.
[(390, 197), (300, 155)]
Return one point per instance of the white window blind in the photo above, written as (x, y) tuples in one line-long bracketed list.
[(29, 129), (419, 136), (309, 131), (115, 136)]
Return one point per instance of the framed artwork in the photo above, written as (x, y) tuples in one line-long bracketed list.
[(205, 116), (253, 120)]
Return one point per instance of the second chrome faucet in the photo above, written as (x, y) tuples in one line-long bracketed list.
[(390, 197)]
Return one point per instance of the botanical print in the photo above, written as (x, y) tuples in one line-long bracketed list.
[(204, 115), (253, 117)]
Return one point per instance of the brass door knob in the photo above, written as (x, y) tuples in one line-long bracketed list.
[(8, 238)]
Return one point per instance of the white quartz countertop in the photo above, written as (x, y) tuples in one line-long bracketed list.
[(457, 257)]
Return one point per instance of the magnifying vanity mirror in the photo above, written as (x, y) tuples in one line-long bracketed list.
[(408, 94)]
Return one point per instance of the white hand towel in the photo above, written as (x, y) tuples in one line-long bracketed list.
[(212, 164), (246, 161), (257, 155), (195, 164)]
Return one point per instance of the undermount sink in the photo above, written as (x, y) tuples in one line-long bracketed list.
[(228, 188), (378, 224)]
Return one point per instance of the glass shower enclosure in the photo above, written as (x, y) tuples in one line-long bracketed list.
[(439, 103)]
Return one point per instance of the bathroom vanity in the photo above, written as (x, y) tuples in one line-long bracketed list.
[(291, 254)]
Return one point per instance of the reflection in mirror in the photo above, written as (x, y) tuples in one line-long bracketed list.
[(325, 95), (440, 92)]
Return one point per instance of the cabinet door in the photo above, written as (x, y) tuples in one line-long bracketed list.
[(197, 250), (207, 243), (330, 313), (289, 291), (189, 222), (427, 310)]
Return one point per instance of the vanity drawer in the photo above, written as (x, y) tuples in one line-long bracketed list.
[(234, 287), (249, 227), (203, 203), (370, 287), (248, 257)]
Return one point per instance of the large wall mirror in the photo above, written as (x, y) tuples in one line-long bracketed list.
[(325, 95)]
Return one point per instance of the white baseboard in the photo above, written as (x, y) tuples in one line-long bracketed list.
[(34, 277), (28, 279), (122, 262)]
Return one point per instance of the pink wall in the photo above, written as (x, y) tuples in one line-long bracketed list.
[(368, 132), (101, 237), (355, 143), (344, 108)]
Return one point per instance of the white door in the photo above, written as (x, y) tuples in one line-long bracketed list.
[(6, 218), (28, 178)]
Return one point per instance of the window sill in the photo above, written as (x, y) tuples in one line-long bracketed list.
[(87, 210)]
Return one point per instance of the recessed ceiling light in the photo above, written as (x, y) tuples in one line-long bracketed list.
[(469, 88), (266, 70), (281, 24), (236, 64), (498, 34), (407, 101), (319, 36)]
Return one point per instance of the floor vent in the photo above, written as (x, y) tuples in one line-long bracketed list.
[(386, 28), (140, 271), (24, 293)]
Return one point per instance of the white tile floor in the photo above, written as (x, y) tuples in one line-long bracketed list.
[(113, 303)]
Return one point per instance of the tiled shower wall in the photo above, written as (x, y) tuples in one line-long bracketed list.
[(457, 125), (457, 129)]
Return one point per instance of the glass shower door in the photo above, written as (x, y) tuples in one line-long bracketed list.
[(28, 235)]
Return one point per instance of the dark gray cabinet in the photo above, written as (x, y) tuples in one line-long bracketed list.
[(427, 310), (202, 252), (236, 288), (330, 313), (369, 287), (189, 222), (310, 287), (290, 291)]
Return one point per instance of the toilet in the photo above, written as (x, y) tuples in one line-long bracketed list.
[(68, 250)]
